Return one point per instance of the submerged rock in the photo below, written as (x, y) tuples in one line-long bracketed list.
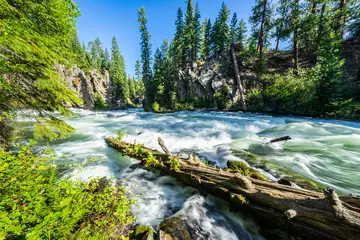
[(174, 229), (143, 233)]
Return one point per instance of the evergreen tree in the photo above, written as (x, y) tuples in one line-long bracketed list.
[(132, 92), (207, 40), (234, 28), (138, 73), (309, 27), (178, 42), (196, 41), (295, 26), (261, 22), (188, 33), (31, 45), (117, 73), (146, 58), (220, 31), (105, 60), (241, 37), (329, 62), (78, 51), (282, 22), (96, 52)]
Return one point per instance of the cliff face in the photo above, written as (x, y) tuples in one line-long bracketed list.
[(207, 79), (88, 86)]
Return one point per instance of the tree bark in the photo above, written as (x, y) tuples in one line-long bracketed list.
[(238, 79), (295, 37), (304, 213)]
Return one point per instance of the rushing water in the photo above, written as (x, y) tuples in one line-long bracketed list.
[(326, 151)]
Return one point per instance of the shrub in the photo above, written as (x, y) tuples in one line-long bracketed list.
[(76, 82), (156, 107), (151, 161), (99, 103), (174, 164), (36, 204), (120, 134), (222, 98)]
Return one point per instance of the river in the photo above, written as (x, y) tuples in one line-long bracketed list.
[(325, 151)]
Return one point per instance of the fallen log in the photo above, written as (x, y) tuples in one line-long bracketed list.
[(281, 139), (301, 212)]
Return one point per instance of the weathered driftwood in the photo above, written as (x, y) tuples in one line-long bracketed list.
[(281, 139), (300, 212)]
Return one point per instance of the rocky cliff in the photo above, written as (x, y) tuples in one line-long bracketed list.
[(90, 85), (216, 76)]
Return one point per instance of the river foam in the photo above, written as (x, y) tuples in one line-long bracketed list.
[(325, 151)]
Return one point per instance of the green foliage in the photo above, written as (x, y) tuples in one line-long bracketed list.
[(243, 169), (120, 134), (141, 232), (156, 107), (99, 103), (220, 30), (206, 43), (138, 150), (223, 98), (36, 204), (174, 164), (118, 74), (291, 93), (31, 44), (151, 161), (145, 56)]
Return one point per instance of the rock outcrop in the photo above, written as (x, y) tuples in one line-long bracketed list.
[(88, 85), (205, 79)]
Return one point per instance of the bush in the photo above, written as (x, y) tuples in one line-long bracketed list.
[(36, 204), (156, 107), (120, 134), (99, 103), (222, 99)]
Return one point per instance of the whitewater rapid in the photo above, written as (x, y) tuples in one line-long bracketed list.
[(326, 151)]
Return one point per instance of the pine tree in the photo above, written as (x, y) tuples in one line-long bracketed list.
[(308, 32), (96, 52), (117, 73), (188, 33), (282, 22), (146, 58), (138, 73), (206, 44), (234, 28), (261, 22), (105, 60), (178, 42), (241, 37), (77, 50), (196, 41), (220, 31), (31, 45)]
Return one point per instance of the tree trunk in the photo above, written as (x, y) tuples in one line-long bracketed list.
[(341, 21), (307, 214), (238, 79), (295, 37), (261, 32)]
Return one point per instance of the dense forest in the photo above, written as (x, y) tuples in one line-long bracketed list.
[(215, 64), (306, 78)]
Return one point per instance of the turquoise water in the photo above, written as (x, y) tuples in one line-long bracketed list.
[(326, 151)]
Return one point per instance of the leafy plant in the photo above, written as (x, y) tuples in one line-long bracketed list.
[(174, 164), (36, 204), (99, 103), (151, 161), (156, 107), (138, 149), (120, 134)]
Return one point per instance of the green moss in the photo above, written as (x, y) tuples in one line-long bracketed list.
[(238, 198), (176, 228), (141, 232), (243, 169)]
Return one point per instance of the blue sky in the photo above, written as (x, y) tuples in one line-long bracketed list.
[(108, 18)]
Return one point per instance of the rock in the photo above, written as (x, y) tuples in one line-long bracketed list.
[(141, 232), (88, 85), (174, 229)]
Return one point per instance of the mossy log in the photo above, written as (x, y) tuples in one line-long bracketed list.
[(301, 212)]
